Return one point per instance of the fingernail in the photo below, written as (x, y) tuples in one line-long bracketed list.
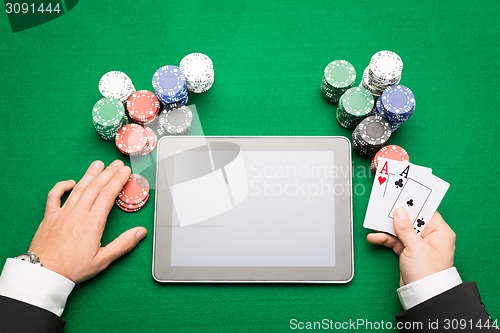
[(124, 169), (401, 213), (117, 162), (97, 164), (71, 181), (141, 234)]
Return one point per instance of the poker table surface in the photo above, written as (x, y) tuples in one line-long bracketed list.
[(269, 58)]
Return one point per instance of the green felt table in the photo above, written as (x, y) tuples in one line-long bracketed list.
[(269, 57)]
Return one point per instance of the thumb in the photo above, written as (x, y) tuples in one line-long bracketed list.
[(121, 245), (403, 226)]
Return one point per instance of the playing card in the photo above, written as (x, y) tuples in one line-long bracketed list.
[(390, 178), (422, 198)]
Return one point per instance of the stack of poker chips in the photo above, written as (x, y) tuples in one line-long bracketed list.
[(370, 135), (116, 84), (169, 85), (135, 140), (108, 115), (198, 69), (143, 107), (134, 194), (385, 69), (339, 75), (396, 105), (355, 104), (391, 152), (174, 120)]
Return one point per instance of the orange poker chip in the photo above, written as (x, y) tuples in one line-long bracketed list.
[(143, 106), (131, 139), (391, 152)]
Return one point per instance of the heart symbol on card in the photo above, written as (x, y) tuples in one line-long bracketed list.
[(381, 180)]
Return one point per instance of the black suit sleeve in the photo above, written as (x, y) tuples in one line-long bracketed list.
[(447, 309), (20, 317)]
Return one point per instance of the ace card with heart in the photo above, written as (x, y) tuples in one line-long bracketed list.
[(390, 180)]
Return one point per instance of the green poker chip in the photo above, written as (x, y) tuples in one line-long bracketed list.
[(357, 102), (340, 74)]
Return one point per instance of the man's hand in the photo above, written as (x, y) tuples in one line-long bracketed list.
[(68, 240), (419, 257)]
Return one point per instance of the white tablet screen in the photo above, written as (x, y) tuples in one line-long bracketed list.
[(265, 208)]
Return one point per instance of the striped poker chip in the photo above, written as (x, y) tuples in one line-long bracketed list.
[(177, 121), (357, 102), (392, 152), (131, 139), (340, 74), (198, 69), (374, 130), (398, 100), (143, 106), (135, 192), (116, 84), (386, 67), (168, 81)]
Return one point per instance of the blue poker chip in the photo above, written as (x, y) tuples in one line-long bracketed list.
[(398, 100), (169, 81), (181, 96), (395, 125)]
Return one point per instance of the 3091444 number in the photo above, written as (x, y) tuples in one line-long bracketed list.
[(31, 8)]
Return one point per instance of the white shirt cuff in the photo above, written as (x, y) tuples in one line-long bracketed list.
[(35, 285), (420, 291)]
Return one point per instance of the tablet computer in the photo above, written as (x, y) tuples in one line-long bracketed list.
[(253, 209)]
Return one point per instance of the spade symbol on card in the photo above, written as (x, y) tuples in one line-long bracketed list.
[(398, 183), (420, 222), (410, 202)]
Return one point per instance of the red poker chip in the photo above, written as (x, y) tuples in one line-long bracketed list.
[(131, 139), (391, 152), (125, 208), (152, 140), (136, 191), (131, 205), (143, 106)]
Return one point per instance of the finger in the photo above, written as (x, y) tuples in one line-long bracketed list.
[(55, 195), (93, 171), (436, 223), (386, 240), (403, 226), (120, 246), (438, 229), (106, 199), (95, 186)]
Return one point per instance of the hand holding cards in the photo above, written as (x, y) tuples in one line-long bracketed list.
[(403, 184)]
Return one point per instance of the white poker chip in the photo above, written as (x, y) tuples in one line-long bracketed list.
[(116, 84)]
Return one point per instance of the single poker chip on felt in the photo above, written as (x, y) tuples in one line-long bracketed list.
[(131, 139), (135, 191), (392, 152), (143, 106)]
